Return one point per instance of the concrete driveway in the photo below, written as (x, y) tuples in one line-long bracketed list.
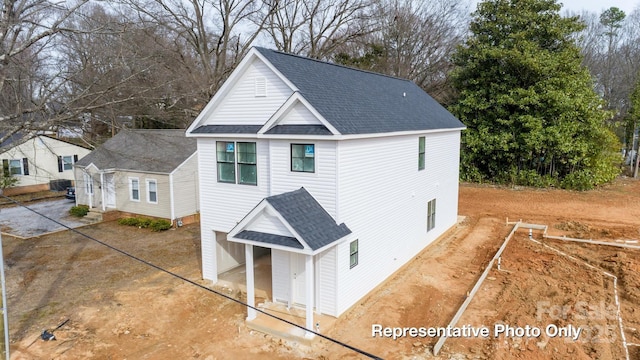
[(20, 221)]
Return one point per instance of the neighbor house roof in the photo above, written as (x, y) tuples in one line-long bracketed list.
[(306, 217), (142, 150), (361, 102)]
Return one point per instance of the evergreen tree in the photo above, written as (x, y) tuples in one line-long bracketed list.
[(532, 115)]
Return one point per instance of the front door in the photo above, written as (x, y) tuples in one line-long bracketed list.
[(110, 190), (298, 279)]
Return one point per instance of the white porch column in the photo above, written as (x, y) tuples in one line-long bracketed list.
[(251, 298), (309, 297), (102, 190), (208, 251)]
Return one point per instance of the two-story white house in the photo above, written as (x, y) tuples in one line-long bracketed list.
[(341, 175)]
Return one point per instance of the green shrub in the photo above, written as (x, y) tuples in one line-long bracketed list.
[(144, 223), (579, 180), (79, 211), (128, 221), (160, 225)]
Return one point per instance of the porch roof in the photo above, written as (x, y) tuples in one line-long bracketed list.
[(310, 226), (258, 236)]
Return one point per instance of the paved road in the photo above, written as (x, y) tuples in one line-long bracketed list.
[(26, 223)]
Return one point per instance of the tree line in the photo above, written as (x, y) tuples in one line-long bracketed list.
[(106, 65)]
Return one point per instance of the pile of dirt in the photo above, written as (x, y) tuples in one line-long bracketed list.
[(580, 230)]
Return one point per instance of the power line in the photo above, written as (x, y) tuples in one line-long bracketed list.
[(362, 352)]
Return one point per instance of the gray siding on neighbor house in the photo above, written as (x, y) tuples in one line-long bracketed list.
[(143, 206), (185, 188)]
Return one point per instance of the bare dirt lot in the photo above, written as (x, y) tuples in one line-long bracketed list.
[(120, 308)]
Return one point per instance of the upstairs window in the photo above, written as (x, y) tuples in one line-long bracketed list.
[(303, 158), (421, 153), (226, 161), (245, 162), (431, 214), (247, 168)]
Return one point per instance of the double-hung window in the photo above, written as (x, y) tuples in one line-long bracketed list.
[(421, 151), (242, 156), (431, 214), (303, 157), (134, 189), (152, 191)]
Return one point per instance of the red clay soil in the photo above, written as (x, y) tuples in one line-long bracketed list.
[(122, 309)]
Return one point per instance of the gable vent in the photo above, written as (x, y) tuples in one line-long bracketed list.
[(261, 86)]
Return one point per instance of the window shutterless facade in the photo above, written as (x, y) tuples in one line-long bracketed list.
[(152, 191), (431, 214), (134, 189), (421, 151), (353, 254), (303, 158), (237, 155)]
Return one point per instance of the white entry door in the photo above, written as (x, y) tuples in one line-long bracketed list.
[(298, 279), (110, 190)]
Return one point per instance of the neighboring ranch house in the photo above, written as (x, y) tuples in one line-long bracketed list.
[(142, 172), (39, 162), (341, 175)]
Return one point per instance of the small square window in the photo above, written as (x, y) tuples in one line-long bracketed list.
[(303, 157), (353, 254)]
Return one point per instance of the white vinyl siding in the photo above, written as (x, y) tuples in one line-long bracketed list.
[(185, 188), (269, 224), (134, 189), (321, 184), (383, 200), (240, 106), (327, 281), (298, 114), (42, 154), (281, 275)]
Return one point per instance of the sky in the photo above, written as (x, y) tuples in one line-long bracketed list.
[(596, 6)]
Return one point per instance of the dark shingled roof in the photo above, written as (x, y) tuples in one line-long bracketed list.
[(299, 130), (361, 102), (227, 129), (308, 218), (270, 238), (143, 150)]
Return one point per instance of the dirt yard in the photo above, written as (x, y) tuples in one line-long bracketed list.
[(120, 308)]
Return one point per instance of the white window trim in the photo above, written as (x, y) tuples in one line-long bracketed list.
[(70, 163), (148, 181), (21, 167), (356, 253), (131, 179)]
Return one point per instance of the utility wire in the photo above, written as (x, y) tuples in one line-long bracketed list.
[(362, 352)]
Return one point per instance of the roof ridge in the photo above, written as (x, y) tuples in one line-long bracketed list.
[(334, 64)]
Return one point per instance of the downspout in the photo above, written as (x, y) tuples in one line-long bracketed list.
[(171, 199)]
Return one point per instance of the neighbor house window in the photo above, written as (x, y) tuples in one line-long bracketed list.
[(247, 169), (303, 157), (152, 191), (431, 214), (17, 166), (421, 153), (353, 254), (134, 189), (245, 161), (66, 162)]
